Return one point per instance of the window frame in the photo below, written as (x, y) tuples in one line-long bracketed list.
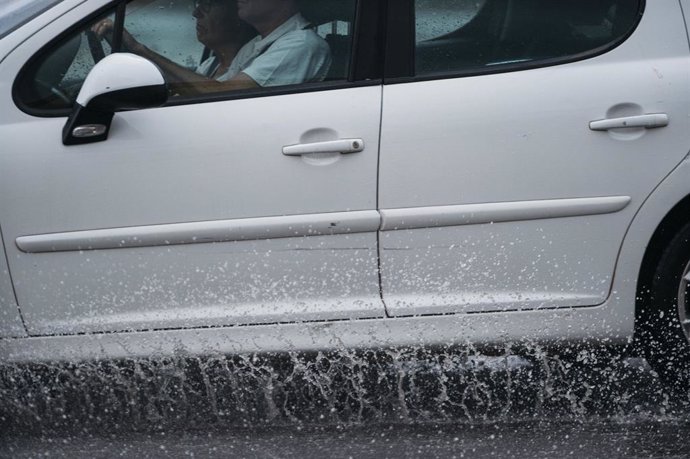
[(367, 51), (400, 63)]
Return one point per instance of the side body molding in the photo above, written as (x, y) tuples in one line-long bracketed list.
[(476, 214), (246, 229), (318, 224)]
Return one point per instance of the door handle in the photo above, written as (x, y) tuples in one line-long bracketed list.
[(649, 121), (331, 146)]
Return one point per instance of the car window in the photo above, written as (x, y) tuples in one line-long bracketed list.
[(201, 47), (436, 18), (462, 35), (166, 27), (53, 79)]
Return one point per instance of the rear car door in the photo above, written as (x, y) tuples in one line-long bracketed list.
[(190, 214), (517, 145)]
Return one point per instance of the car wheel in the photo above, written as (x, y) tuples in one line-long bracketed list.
[(665, 316)]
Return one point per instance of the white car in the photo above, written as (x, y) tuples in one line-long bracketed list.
[(469, 171)]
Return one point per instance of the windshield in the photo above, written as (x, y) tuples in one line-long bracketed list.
[(14, 13)]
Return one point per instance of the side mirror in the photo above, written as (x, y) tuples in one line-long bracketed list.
[(121, 81)]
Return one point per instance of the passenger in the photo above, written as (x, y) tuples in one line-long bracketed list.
[(285, 52), (217, 27)]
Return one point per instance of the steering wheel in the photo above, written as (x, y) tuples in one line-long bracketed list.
[(95, 46), (54, 91)]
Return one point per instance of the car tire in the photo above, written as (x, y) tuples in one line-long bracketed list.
[(665, 316)]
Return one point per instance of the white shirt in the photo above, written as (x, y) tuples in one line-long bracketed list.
[(291, 54), (208, 66)]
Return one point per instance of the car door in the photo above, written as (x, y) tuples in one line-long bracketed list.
[(189, 214), (11, 325), (518, 146)]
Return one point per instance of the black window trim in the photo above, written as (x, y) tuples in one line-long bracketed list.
[(367, 52), (368, 46), (395, 76), (400, 43)]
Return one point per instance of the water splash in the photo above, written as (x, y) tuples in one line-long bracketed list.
[(402, 385)]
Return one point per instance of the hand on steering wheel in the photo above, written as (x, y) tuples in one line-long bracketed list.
[(101, 30), (104, 30)]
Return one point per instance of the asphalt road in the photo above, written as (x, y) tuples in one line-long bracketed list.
[(396, 403)]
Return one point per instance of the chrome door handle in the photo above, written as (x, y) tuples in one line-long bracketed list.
[(649, 121), (331, 146)]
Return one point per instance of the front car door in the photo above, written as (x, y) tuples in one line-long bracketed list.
[(496, 192), (189, 214)]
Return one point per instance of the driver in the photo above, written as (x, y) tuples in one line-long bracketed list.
[(218, 27)]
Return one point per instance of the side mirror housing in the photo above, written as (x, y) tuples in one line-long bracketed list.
[(121, 81)]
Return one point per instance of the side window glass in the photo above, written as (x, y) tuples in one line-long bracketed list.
[(465, 35), (203, 46), (334, 22), (225, 45), (163, 27), (54, 79)]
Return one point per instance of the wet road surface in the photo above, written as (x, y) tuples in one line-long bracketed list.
[(543, 439), (394, 403)]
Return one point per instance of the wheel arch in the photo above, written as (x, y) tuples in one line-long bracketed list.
[(674, 220)]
